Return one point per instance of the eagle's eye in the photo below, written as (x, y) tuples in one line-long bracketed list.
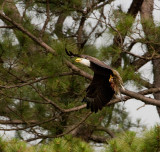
[(78, 60)]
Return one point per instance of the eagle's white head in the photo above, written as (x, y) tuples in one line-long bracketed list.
[(83, 61)]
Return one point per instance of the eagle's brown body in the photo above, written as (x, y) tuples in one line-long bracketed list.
[(105, 83)]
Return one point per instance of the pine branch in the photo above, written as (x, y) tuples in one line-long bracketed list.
[(30, 35), (125, 98), (60, 135), (29, 124), (141, 97), (79, 71), (55, 105), (109, 132), (27, 82), (98, 139)]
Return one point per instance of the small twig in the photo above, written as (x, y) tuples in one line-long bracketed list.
[(26, 82), (47, 19), (141, 106), (55, 105), (19, 122), (76, 126), (130, 53), (60, 135), (11, 27)]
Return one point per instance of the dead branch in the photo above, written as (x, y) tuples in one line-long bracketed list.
[(108, 131), (141, 106)]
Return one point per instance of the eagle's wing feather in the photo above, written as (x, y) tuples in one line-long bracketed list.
[(99, 93), (69, 53)]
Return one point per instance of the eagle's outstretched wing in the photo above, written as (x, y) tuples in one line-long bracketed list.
[(105, 83), (99, 93)]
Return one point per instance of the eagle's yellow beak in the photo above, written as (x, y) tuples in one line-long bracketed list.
[(78, 59)]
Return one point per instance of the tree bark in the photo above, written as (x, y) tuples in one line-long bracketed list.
[(146, 16), (147, 9), (156, 71), (135, 7), (59, 25)]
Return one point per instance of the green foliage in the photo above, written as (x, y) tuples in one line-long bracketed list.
[(116, 118), (14, 145), (91, 50), (57, 6), (67, 144), (127, 141), (123, 23), (127, 71), (149, 141), (152, 35), (129, 74), (110, 53)]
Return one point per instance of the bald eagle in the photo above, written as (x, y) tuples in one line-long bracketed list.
[(105, 84)]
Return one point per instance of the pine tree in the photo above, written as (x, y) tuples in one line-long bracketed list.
[(130, 142), (67, 144), (42, 88)]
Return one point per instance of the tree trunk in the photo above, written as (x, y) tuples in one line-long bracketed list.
[(146, 15), (156, 71)]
